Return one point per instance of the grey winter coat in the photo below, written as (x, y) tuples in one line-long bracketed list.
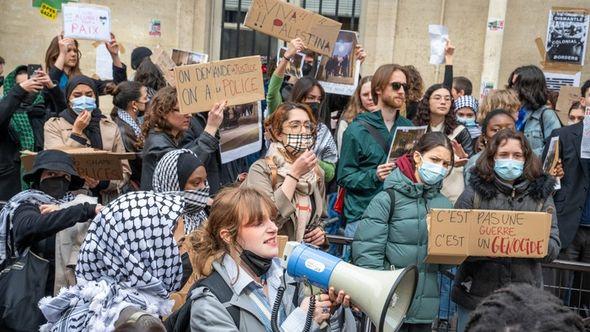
[(478, 277), (208, 314)]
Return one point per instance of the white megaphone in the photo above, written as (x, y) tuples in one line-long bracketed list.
[(385, 296)]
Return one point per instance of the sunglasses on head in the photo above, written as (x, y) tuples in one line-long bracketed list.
[(397, 85)]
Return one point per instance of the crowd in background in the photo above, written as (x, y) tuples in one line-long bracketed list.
[(184, 242)]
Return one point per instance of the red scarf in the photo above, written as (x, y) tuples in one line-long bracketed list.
[(405, 165)]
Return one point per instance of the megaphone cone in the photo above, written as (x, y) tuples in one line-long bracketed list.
[(385, 296)]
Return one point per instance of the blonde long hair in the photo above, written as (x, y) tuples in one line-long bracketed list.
[(233, 208), (498, 99)]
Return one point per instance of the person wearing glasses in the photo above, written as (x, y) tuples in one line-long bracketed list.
[(290, 174), (363, 164), (434, 111)]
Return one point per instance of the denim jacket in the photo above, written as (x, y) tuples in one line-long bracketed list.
[(537, 133)]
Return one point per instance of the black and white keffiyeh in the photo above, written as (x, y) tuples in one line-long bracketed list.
[(166, 180), (31, 196), (135, 125), (129, 258)]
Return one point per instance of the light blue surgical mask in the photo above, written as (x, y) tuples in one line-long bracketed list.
[(83, 103), (508, 169), (467, 122), (430, 173)]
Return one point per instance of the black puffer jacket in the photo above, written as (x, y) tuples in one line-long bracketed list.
[(478, 277)]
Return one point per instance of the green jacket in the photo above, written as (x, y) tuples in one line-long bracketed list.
[(402, 241), (359, 158)]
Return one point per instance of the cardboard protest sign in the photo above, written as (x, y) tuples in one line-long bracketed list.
[(163, 60), (240, 131), (567, 35), (85, 21), (239, 81), (339, 73), (97, 164), (404, 140), (455, 234), (286, 22)]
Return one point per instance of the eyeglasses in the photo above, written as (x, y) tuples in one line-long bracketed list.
[(397, 85), (296, 127)]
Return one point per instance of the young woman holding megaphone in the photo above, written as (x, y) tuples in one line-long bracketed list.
[(236, 252), (392, 233)]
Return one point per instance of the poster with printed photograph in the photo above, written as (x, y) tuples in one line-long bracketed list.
[(241, 131), (339, 73), (183, 58), (567, 35), (295, 65), (404, 140)]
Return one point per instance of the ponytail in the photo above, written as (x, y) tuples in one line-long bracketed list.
[(123, 94)]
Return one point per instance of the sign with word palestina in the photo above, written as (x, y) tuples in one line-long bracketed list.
[(286, 21), (200, 86), (455, 234), (84, 21)]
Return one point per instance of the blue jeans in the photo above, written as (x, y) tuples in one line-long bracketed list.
[(349, 231), (463, 318), (447, 307)]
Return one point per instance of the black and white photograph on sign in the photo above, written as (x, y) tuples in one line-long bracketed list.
[(295, 66), (339, 73), (556, 80), (404, 140), (241, 131), (183, 58), (567, 35)]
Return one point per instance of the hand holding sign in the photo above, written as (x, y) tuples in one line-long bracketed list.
[(449, 51), (31, 85), (112, 45), (295, 46), (215, 117), (360, 53)]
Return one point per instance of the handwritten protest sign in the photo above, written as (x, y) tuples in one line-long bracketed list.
[(97, 164), (85, 21), (453, 235), (239, 81), (286, 21)]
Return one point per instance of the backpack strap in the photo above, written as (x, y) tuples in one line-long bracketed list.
[(273, 171), (543, 122), (376, 135), (476, 201), (391, 193), (217, 285)]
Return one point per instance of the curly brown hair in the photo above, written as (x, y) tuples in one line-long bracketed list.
[(415, 83), (485, 163), (164, 102), (423, 114)]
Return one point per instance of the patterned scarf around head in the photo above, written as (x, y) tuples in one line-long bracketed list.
[(129, 258), (166, 180)]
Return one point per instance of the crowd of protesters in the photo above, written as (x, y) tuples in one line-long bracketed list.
[(184, 242)]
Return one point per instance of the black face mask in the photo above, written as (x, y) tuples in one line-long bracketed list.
[(187, 268), (315, 108), (55, 187), (306, 70), (258, 265)]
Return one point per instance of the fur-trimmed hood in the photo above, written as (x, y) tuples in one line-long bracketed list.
[(539, 189)]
